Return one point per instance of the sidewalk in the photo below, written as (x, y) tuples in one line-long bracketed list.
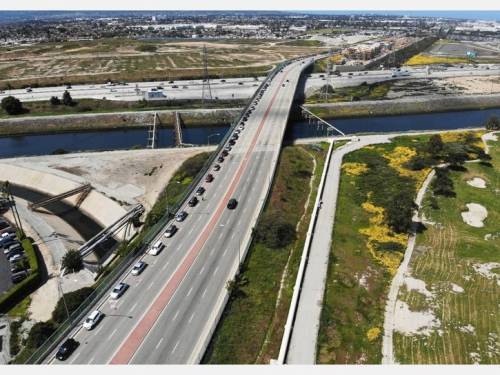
[(302, 349)]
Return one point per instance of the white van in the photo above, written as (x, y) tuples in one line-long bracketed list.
[(156, 248)]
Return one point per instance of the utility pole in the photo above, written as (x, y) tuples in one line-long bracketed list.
[(206, 93)]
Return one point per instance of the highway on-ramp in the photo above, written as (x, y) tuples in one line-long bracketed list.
[(169, 312)]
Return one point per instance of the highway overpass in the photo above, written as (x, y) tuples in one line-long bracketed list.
[(242, 88), (169, 312)]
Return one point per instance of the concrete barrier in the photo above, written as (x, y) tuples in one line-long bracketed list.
[(302, 266)]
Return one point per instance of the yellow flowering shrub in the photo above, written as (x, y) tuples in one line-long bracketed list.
[(421, 59), (354, 169), (373, 333), (381, 233), (401, 155), (460, 136)]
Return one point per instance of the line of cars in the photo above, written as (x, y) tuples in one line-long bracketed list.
[(96, 316), (13, 250)]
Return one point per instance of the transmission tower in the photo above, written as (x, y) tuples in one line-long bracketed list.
[(206, 93)]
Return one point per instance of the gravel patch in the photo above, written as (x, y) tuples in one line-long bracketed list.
[(475, 215), (477, 182)]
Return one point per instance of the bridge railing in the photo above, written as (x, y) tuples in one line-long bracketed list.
[(103, 286)]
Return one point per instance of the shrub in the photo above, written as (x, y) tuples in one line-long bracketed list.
[(72, 261), (73, 301), (54, 100), (274, 231), (493, 123), (12, 106), (146, 48), (39, 333)]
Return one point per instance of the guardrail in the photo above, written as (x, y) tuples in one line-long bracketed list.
[(302, 267), (103, 287), (247, 241)]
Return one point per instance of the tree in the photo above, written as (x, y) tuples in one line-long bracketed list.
[(54, 100), (39, 333), (72, 261), (443, 184), (12, 106), (399, 211), (435, 145), (455, 154), (67, 99), (493, 123)]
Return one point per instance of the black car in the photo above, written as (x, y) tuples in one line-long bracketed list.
[(193, 201), (232, 142), (220, 159), (66, 349), (216, 167), (224, 153), (232, 204), (200, 190), (209, 177), (18, 276)]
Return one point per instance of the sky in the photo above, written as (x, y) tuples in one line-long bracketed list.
[(249, 5)]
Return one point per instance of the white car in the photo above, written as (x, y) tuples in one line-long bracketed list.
[(157, 248), (138, 268), (118, 290), (93, 319)]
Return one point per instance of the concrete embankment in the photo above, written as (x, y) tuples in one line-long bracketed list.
[(404, 106), (96, 205), (117, 120)]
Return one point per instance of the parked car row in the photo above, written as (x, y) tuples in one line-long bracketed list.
[(14, 252)]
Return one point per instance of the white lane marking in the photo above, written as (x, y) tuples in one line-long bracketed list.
[(133, 307), (112, 334), (203, 295), (216, 270), (159, 343), (190, 231), (175, 347), (91, 359), (225, 251), (75, 357), (232, 236), (189, 292), (191, 318), (165, 266), (175, 316), (220, 235), (150, 285), (202, 269)]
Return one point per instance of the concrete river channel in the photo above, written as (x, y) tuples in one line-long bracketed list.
[(44, 144), (120, 139)]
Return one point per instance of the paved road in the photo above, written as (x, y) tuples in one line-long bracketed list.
[(169, 311), (242, 88)]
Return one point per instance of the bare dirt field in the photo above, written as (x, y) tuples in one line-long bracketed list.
[(126, 176), (98, 61)]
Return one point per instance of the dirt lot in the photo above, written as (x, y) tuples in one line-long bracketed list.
[(99, 61), (127, 176)]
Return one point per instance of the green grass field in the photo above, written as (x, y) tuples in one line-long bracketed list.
[(251, 327), (451, 252)]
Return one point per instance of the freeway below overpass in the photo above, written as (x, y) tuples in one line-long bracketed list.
[(170, 310), (243, 88)]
